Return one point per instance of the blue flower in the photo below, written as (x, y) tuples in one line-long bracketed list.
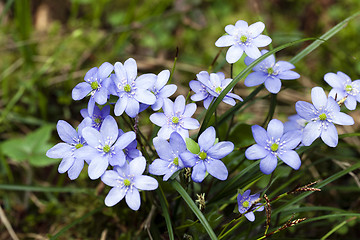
[(208, 158), (126, 182), (161, 90), (273, 143), (131, 150), (210, 86), (175, 118), (246, 201), (321, 115), (270, 72), (243, 38), (131, 90), (73, 142), (104, 147), (295, 123), (96, 84), (169, 153), (343, 88), (97, 117)]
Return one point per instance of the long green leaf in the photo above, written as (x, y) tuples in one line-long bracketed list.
[(177, 186), (165, 211)]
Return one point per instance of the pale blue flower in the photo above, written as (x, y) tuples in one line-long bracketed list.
[(243, 38), (161, 90), (97, 117), (130, 89), (343, 88), (209, 86), (96, 84), (270, 73), (126, 181), (321, 116), (273, 143), (104, 147), (208, 158), (170, 160), (175, 118)]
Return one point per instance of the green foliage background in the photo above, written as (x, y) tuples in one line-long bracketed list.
[(46, 47)]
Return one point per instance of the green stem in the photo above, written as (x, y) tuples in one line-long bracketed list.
[(164, 206), (177, 186)]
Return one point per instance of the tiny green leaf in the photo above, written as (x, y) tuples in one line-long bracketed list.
[(192, 146)]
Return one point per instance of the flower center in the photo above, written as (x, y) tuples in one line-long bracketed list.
[(243, 38), (97, 120), (322, 117), (175, 120), (127, 182), (94, 85), (176, 161), (202, 155), (79, 145), (106, 148), (348, 88), (270, 70), (218, 89), (246, 204), (127, 88), (274, 147)]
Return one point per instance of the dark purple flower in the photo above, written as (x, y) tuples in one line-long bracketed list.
[(246, 201), (98, 115)]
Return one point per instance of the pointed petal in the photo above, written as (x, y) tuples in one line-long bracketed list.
[(250, 216), (167, 91), (305, 110), (234, 53), (60, 150), (255, 78), (311, 132), (261, 41), (117, 158), (162, 79), (260, 135), (145, 96), (145, 81), (133, 199), (256, 29), (165, 132), (241, 24), (198, 172), (163, 148), (159, 167), (291, 158), (137, 166), (109, 129), (120, 105), (268, 164), (188, 158), (92, 137), (132, 107), (273, 84), (90, 73), (225, 41), (105, 69), (75, 169), (329, 135), (190, 123), (221, 149), (179, 105), (318, 97), (256, 152), (252, 51), (158, 119), (125, 139), (350, 102), (275, 129), (66, 132), (342, 118), (334, 80), (97, 167), (101, 96), (110, 178), (291, 139), (114, 196), (80, 91), (65, 164), (217, 169), (207, 139), (131, 69), (177, 143), (189, 110), (145, 183)]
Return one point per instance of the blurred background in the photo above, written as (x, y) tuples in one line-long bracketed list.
[(47, 46)]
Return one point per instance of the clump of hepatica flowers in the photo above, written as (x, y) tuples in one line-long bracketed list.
[(243, 38), (205, 156), (344, 88), (73, 142), (209, 86), (96, 84), (246, 201), (126, 181), (270, 73), (175, 118), (170, 160), (321, 116), (273, 143), (105, 147)]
